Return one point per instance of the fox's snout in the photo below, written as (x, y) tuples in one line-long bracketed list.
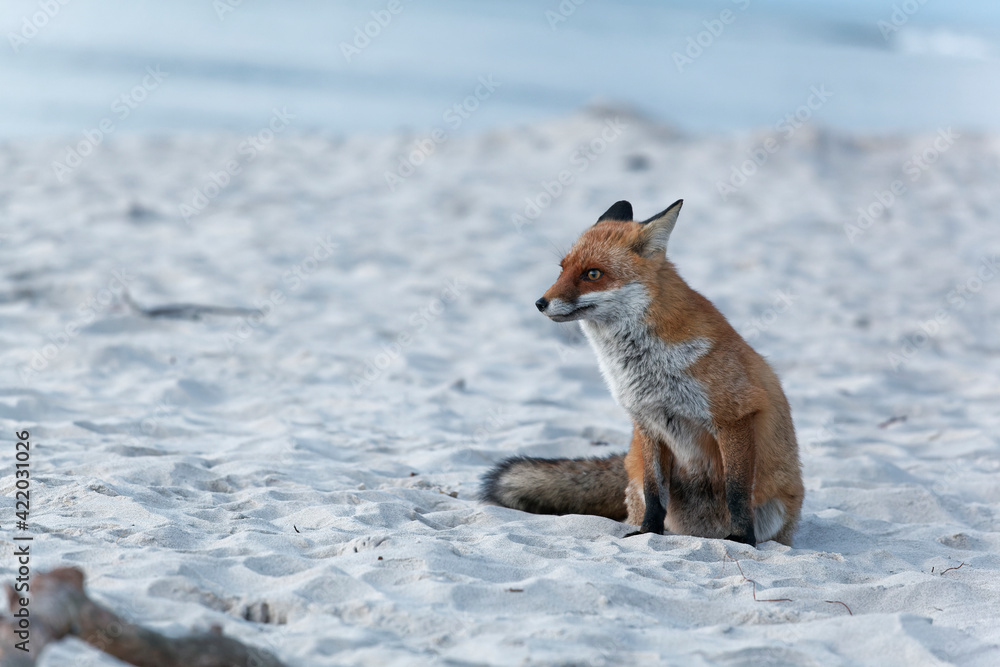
[(542, 304)]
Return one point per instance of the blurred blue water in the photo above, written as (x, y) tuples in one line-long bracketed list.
[(228, 63)]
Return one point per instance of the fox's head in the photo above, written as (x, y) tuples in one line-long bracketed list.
[(606, 272)]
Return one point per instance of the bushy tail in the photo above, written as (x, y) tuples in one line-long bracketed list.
[(559, 486)]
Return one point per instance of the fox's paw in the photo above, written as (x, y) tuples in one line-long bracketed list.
[(643, 531), (750, 539)]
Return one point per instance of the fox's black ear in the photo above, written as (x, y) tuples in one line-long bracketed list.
[(672, 210), (620, 210), (656, 231)]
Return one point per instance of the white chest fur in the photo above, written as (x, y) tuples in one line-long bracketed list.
[(650, 379)]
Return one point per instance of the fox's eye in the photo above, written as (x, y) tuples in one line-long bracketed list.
[(594, 274)]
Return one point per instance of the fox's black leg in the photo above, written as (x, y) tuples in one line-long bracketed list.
[(738, 448), (652, 520), (654, 487), (741, 514)]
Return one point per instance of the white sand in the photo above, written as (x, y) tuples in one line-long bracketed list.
[(197, 481)]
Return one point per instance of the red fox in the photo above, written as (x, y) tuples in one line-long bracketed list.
[(713, 449)]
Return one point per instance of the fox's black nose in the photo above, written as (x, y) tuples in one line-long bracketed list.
[(542, 304)]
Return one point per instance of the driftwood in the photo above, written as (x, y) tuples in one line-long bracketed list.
[(188, 311), (59, 608)]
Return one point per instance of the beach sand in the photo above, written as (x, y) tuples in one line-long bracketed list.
[(307, 477)]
